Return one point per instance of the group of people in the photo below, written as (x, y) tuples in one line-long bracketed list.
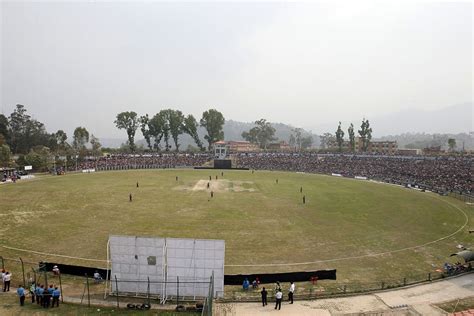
[(441, 174), (143, 161), (43, 295), (6, 279), (264, 293), (278, 295)]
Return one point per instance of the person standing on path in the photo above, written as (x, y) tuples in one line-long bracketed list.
[(291, 292), (278, 297), (56, 295), (21, 294), (33, 292), (264, 296), (6, 282)]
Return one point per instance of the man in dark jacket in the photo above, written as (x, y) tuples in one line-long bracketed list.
[(264, 296)]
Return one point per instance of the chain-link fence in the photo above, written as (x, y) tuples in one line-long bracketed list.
[(468, 198), (87, 290), (327, 288)]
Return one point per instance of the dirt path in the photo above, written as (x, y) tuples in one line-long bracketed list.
[(417, 300)]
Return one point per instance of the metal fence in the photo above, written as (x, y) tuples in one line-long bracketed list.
[(468, 198), (27, 272), (328, 288)]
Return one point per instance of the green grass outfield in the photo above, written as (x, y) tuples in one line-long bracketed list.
[(261, 221)]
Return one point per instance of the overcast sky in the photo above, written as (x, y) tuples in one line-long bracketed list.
[(309, 65)]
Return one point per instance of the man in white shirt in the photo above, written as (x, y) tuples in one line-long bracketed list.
[(291, 291), (278, 297), (6, 282)]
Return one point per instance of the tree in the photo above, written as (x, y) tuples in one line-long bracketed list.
[(190, 127), (129, 122), (80, 139), (96, 145), (61, 138), (18, 120), (350, 131), (24, 132), (4, 125), (365, 133), (327, 140), (452, 144), (213, 121), (339, 137), (306, 142), (296, 137), (145, 128), (292, 141), (156, 126), (262, 134), (39, 157), (165, 127), (5, 155), (176, 122)]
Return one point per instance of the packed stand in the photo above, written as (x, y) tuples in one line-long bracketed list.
[(441, 174)]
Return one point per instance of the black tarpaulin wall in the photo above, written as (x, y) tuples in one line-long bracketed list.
[(229, 279), (238, 279), (74, 270)]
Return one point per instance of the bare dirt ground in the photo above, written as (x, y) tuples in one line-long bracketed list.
[(223, 185), (416, 300)]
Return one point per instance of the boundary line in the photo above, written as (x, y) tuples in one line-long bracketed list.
[(295, 263)]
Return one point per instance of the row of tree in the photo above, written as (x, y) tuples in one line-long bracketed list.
[(365, 134), (21, 134), (169, 124)]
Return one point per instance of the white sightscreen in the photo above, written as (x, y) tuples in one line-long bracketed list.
[(190, 261)]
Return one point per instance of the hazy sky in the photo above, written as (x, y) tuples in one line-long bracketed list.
[(306, 64)]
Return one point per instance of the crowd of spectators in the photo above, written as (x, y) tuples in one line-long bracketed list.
[(145, 161), (440, 174), (436, 173)]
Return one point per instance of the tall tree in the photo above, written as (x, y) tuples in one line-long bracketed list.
[(339, 137), (156, 126), (24, 132), (145, 128), (39, 157), (350, 131), (306, 142), (165, 128), (327, 140), (190, 127), (129, 122), (452, 144), (61, 138), (176, 122), (298, 136), (365, 133), (18, 121), (262, 134), (80, 139), (96, 145), (213, 121), (5, 155), (251, 135), (292, 141), (4, 125)]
